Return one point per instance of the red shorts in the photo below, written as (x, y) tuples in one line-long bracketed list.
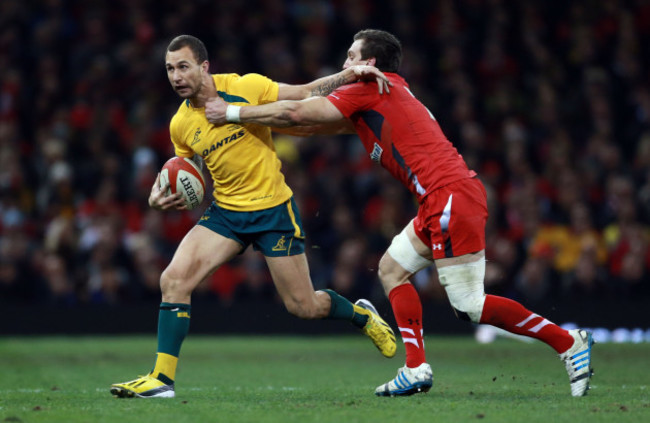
[(451, 220)]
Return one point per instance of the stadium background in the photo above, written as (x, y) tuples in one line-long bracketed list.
[(548, 101)]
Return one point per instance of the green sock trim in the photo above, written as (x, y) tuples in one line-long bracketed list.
[(342, 309), (164, 379), (359, 320), (173, 326)]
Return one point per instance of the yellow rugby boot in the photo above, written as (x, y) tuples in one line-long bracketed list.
[(377, 329), (143, 387)]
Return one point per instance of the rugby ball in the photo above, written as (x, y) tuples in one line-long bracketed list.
[(183, 176)]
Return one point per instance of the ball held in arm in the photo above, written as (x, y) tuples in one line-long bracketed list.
[(184, 176)]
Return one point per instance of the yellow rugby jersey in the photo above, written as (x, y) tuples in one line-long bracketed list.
[(241, 157)]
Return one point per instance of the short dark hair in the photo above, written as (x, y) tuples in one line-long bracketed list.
[(196, 45), (383, 46)]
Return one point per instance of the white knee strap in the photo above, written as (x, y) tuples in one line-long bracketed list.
[(464, 286), (403, 252)]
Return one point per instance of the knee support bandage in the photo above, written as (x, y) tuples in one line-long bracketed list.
[(464, 286), (403, 252)]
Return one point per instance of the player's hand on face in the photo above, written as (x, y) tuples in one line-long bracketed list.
[(215, 111), (369, 73), (159, 200)]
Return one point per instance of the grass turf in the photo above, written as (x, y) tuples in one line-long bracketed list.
[(319, 379)]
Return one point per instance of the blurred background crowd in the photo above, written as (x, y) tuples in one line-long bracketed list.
[(548, 101)]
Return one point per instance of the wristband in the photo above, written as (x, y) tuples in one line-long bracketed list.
[(232, 113)]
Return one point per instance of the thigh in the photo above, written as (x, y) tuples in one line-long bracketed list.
[(199, 254), (291, 277)]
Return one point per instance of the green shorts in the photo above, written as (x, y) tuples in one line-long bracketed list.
[(275, 232)]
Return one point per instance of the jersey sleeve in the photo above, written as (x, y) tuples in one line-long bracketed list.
[(352, 98), (180, 148), (257, 88)]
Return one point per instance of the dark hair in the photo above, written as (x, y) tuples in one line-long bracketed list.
[(196, 45), (383, 46)]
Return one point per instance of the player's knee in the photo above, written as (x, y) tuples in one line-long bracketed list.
[(469, 307), (386, 274), (301, 309), (400, 261), (172, 283)]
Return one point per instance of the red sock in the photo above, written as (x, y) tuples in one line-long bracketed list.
[(407, 309), (513, 317)]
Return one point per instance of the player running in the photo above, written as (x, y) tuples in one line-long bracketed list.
[(449, 230), (252, 205)]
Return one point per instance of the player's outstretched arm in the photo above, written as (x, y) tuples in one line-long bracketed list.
[(325, 85), (309, 112), (159, 200)]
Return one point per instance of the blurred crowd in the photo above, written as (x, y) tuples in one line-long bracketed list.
[(548, 101)]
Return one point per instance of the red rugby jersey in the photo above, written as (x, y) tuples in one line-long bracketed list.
[(402, 135)]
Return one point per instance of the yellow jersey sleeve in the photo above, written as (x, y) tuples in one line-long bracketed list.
[(181, 149), (255, 88)]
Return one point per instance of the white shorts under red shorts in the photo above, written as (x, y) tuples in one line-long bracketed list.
[(451, 220)]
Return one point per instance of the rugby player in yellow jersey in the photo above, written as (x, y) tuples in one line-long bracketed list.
[(252, 205)]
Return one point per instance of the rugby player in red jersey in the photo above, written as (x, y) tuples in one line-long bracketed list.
[(402, 135)]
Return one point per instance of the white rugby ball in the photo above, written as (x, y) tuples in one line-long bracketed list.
[(184, 176)]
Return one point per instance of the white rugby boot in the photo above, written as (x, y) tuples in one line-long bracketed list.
[(408, 381), (577, 361)]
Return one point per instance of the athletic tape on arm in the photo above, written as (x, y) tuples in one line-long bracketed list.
[(232, 113)]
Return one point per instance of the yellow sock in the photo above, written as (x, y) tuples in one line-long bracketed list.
[(165, 365)]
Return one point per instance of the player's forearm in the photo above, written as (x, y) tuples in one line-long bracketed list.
[(324, 86), (280, 114)]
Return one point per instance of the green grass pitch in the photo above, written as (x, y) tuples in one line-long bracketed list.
[(315, 379)]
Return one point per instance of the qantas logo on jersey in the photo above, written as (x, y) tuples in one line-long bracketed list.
[(223, 142), (375, 156)]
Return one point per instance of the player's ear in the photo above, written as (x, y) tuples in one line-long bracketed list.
[(205, 66), (371, 61)]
